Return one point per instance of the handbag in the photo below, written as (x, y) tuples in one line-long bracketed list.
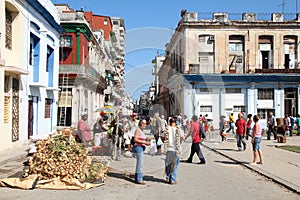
[(159, 142)]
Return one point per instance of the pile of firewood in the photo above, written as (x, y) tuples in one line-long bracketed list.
[(63, 157)]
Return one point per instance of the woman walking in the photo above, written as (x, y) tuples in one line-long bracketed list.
[(140, 143), (256, 139), (173, 136)]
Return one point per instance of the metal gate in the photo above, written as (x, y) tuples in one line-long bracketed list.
[(15, 109)]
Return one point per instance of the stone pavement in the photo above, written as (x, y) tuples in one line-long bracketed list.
[(281, 166)]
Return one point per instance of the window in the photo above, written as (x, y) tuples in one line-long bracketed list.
[(205, 108), (105, 21), (30, 53), (235, 47), (239, 109), (263, 113), (201, 38), (115, 22), (202, 59), (49, 61), (6, 115), (193, 68), (8, 26), (48, 103), (65, 41), (6, 84), (265, 94), (233, 90)]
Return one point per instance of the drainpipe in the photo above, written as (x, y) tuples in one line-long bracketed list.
[(78, 46)]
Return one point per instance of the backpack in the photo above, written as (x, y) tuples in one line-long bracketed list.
[(202, 131)]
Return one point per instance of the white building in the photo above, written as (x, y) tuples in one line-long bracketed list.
[(29, 70)]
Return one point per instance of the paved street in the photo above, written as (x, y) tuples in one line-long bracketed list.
[(225, 176)]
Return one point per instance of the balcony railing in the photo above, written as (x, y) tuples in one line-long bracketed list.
[(277, 71), (88, 72)]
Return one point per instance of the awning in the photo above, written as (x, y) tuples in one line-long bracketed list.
[(106, 109), (16, 70)]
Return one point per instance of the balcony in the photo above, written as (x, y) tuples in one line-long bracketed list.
[(80, 70), (277, 71)]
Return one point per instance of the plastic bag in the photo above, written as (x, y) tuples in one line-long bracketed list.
[(152, 147), (159, 142)]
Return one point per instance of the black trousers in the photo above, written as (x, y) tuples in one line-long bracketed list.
[(271, 130), (195, 148)]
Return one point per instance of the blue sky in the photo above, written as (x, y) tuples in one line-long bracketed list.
[(150, 24)]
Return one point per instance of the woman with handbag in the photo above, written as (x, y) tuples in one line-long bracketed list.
[(140, 143)]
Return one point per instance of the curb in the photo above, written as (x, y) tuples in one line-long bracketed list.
[(266, 174)]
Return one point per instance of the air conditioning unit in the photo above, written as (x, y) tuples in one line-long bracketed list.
[(212, 37)]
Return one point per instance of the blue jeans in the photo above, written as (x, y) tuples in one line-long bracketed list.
[(240, 140), (116, 152), (231, 127), (172, 162), (139, 151), (256, 143)]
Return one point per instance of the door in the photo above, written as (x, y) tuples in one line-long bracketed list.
[(265, 59), (30, 118)]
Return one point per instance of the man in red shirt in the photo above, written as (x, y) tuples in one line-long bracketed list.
[(241, 131), (195, 132)]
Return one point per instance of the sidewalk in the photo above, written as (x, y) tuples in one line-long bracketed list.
[(11, 160), (281, 166)]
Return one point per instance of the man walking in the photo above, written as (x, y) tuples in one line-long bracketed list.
[(195, 132), (240, 132), (231, 124), (271, 126)]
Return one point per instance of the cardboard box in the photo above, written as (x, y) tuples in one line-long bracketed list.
[(100, 151), (281, 139)]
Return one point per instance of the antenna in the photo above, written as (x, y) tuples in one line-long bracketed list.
[(283, 4)]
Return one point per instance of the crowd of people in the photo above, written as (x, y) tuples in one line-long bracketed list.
[(128, 134)]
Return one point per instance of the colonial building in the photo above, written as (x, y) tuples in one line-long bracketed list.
[(218, 66), (81, 71), (28, 70)]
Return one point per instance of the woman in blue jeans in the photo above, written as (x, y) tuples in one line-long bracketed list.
[(140, 143)]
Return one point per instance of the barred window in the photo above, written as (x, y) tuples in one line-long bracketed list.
[(8, 26), (233, 90), (239, 108), (205, 108), (65, 41), (265, 94)]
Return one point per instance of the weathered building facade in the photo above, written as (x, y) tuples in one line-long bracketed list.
[(218, 66)]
